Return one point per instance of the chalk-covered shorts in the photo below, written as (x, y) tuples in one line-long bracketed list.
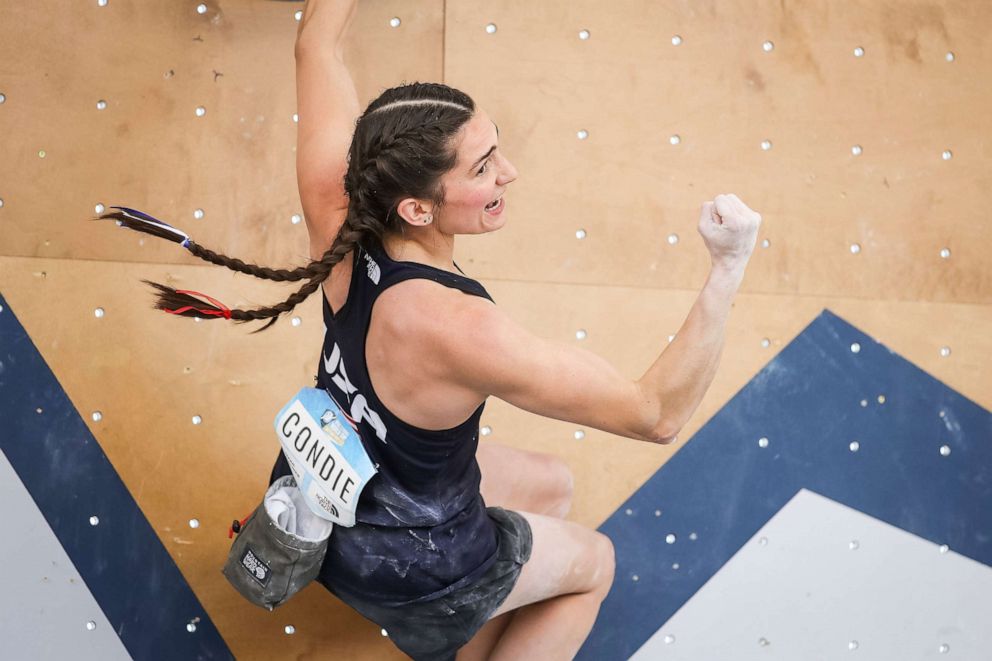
[(436, 629)]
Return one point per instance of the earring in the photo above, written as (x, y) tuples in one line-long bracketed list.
[(429, 219)]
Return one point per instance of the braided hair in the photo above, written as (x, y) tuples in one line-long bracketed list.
[(402, 145)]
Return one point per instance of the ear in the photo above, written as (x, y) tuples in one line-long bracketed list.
[(413, 211)]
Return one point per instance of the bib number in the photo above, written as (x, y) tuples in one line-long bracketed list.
[(325, 453)]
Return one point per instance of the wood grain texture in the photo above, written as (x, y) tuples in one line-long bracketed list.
[(626, 185)]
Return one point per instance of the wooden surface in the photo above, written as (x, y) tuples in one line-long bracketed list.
[(626, 185), (149, 373)]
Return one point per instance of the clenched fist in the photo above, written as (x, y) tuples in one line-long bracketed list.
[(729, 230)]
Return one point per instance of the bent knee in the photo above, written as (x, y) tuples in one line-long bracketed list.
[(598, 564)]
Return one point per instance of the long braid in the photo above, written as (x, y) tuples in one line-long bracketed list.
[(348, 237), (142, 222), (344, 242), (184, 304), (393, 161), (308, 272)]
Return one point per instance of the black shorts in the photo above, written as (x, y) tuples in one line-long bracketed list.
[(437, 629)]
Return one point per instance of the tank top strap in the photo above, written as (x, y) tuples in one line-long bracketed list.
[(328, 313), (391, 272)]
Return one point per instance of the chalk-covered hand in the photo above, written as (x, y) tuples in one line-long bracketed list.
[(729, 230)]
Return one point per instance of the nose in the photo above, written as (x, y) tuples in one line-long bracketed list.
[(509, 172)]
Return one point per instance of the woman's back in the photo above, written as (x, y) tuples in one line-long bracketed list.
[(402, 362), (421, 526)]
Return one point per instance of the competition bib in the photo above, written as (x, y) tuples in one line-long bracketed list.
[(325, 453)]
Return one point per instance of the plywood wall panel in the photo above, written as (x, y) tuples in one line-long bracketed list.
[(722, 94), (149, 373), (627, 186), (154, 64)]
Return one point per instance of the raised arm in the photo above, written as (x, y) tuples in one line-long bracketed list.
[(327, 105), (488, 353)]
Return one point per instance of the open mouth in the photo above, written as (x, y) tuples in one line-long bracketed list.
[(496, 206)]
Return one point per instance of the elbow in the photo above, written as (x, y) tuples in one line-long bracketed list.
[(658, 435), (666, 440), (655, 427), (301, 45), (307, 47), (665, 435)]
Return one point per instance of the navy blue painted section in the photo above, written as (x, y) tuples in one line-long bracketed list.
[(807, 403), (128, 571)]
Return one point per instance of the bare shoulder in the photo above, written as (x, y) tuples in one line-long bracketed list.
[(436, 319), (420, 303), (475, 346), (461, 332)]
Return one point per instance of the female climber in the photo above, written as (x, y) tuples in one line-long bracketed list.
[(459, 550)]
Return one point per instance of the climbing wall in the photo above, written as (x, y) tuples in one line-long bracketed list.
[(815, 480)]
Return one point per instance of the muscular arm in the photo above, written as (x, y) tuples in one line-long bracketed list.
[(326, 21), (327, 105)]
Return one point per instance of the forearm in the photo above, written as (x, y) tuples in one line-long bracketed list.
[(682, 374), (325, 23)]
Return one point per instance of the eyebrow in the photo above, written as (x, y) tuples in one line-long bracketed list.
[(486, 155)]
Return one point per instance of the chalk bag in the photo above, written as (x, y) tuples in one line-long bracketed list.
[(280, 547)]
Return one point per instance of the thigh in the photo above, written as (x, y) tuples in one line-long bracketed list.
[(521, 479), (565, 558)]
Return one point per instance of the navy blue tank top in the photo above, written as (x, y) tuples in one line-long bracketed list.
[(421, 526)]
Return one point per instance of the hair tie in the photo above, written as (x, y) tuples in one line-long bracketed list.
[(223, 312)]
